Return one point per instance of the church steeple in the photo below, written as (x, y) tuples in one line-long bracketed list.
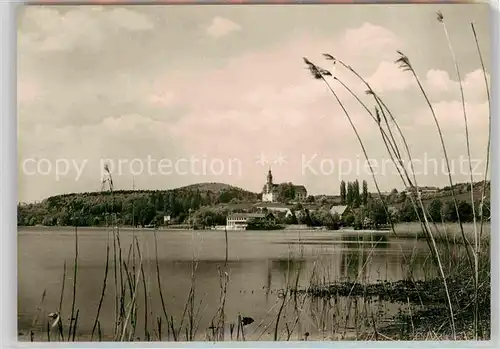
[(268, 190), (270, 177)]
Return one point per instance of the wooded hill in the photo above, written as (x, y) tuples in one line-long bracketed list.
[(137, 207)]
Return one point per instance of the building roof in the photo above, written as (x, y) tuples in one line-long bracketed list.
[(248, 215), (422, 188), (300, 188), (338, 209), (271, 204)]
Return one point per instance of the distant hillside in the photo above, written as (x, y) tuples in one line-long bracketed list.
[(213, 187), (462, 193), (132, 207)]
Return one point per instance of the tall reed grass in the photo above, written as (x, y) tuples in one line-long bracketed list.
[(428, 228)]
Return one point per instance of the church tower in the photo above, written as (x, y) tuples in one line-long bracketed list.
[(267, 192), (270, 179)]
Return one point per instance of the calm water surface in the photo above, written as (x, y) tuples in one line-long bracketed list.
[(259, 263)]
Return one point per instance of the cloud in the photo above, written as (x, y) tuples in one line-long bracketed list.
[(442, 86), (251, 101), (221, 26), (259, 101), (389, 77), (363, 40), (48, 29), (266, 101), (438, 80), (450, 115), (164, 99), (129, 20)]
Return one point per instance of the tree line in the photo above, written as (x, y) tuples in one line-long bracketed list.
[(131, 208), (351, 194), (444, 211), (203, 208)]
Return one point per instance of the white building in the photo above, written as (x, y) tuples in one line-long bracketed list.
[(275, 207), (239, 221), (270, 190)]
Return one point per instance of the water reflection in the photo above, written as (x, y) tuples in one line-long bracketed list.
[(260, 265)]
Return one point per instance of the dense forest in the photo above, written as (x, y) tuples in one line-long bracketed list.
[(139, 207)]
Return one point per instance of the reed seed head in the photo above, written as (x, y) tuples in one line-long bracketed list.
[(404, 62), (316, 72), (329, 57), (440, 17)]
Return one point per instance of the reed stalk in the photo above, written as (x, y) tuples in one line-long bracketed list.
[(75, 272), (109, 181), (99, 332), (146, 331), (120, 263), (219, 317), (285, 295), (227, 247), (388, 144), (189, 305), (406, 66), (440, 19), (59, 311), (131, 305), (483, 194), (158, 321), (383, 106), (386, 139), (158, 279), (75, 326), (103, 292), (115, 275), (38, 311), (319, 74)]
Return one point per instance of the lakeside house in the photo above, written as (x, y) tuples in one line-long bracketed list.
[(239, 221), (275, 207), (422, 190), (338, 210)]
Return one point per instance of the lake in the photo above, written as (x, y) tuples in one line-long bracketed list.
[(259, 265)]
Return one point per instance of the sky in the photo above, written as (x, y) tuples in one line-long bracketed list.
[(168, 96)]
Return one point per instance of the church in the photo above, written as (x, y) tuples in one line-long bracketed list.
[(270, 192)]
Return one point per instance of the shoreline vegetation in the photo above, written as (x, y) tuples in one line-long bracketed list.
[(453, 303), (206, 205)]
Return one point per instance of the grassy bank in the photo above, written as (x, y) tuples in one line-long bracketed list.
[(424, 309), (446, 232)]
